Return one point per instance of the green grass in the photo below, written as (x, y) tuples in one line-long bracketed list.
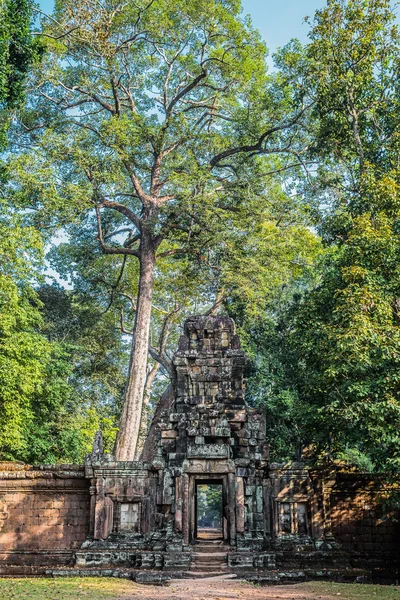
[(74, 588), (351, 591)]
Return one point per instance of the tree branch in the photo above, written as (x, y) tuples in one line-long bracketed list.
[(106, 249), (185, 91), (258, 146), (163, 362), (219, 299), (123, 210)]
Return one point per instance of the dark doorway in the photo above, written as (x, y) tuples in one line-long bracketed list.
[(209, 510)]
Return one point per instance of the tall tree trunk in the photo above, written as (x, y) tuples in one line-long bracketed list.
[(145, 419), (125, 447)]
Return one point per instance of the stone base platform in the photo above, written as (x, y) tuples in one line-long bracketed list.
[(349, 568), (126, 558), (272, 577), (265, 567)]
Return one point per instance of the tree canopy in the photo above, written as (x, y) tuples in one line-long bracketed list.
[(339, 336), (154, 130), (168, 173)]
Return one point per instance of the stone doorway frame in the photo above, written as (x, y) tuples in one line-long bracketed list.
[(228, 499), (211, 481)]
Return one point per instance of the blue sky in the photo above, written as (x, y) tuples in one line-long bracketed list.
[(278, 21)]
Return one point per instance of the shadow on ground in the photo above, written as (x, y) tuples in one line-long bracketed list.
[(227, 589)]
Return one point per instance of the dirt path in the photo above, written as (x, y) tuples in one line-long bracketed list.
[(224, 589)]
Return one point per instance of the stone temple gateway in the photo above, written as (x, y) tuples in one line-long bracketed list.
[(203, 433), (141, 519)]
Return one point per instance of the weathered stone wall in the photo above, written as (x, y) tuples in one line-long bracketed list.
[(360, 521), (44, 513), (123, 500)]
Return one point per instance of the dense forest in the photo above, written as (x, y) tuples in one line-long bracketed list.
[(153, 168)]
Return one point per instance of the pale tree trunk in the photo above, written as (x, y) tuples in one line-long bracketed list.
[(161, 360), (144, 421), (125, 447)]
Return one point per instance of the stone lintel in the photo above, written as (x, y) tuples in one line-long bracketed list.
[(107, 472), (214, 467), (208, 451)]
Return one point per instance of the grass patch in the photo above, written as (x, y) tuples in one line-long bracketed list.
[(71, 588), (79, 588), (352, 591)]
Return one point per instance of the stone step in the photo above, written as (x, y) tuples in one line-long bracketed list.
[(202, 540), (22, 571), (278, 576), (218, 550), (208, 567), (203, 549), (150, 577), (207, 574), (209, 534), (209, 543), (206, 557)]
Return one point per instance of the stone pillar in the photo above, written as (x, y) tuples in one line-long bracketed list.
[(186, 509), (103, 512), (92, 492), (240, 505), (178, 504), (267, 507), (232, 503), (326, 499)]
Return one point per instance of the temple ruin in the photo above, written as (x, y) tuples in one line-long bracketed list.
[(141, 519)]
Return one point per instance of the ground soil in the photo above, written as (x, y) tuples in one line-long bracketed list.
[(79, 588), (219, 589), (227, 589)]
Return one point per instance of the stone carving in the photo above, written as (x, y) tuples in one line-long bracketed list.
[(3, 513), (98, 449)]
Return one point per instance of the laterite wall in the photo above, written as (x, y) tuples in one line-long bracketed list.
[(360, 520), (44, 514), (44, 517)]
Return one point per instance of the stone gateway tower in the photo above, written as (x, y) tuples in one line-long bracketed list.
[(203, 434), (209, 436)]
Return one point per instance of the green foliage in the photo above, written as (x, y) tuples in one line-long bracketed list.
[(341, 341), (209, 505), (18, 51), (87, 380), (351, 62), (52, 397), (348, 369), (24, 353)]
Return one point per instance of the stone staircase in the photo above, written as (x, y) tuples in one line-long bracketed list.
[(209, 559)]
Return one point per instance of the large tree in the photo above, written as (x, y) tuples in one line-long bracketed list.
[(154, 123), (278, 247), (343, 337)]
